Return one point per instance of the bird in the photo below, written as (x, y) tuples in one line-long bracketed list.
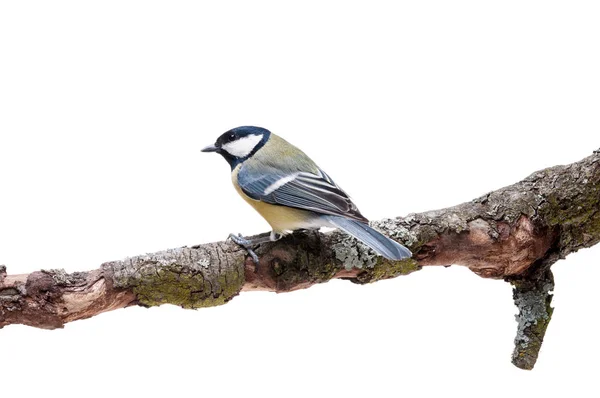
[(291, 192)]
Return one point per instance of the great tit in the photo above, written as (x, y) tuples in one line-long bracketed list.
[(291, 192)]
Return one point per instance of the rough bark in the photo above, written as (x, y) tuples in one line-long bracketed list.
[(515, 233)]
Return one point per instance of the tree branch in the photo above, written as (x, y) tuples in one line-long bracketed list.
[(515, 233)]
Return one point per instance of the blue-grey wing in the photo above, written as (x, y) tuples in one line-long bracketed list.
[(302, 190)]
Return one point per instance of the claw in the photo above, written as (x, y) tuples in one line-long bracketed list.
[(246, 244)]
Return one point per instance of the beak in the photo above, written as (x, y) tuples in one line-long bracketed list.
[(210, 148)]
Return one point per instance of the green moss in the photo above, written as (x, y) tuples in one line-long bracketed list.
[(581, 222), (322, 272), (385, 269), (295, 273), (169, 285), (292, 268), (302, 269), (561, 212)]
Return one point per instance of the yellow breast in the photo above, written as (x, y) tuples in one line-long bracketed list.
[(281, 218)]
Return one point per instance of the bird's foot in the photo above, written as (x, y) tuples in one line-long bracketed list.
[(246, 244)]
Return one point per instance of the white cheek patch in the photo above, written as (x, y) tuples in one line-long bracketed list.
[(242, 147)]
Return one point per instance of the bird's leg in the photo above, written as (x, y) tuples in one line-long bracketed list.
[(250, 244), (247, 244)]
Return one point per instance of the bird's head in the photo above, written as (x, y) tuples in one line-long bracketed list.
[(240, 143)]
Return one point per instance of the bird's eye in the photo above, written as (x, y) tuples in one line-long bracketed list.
[(231, 137)]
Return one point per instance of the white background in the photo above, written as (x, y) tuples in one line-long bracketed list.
[(409, 106)]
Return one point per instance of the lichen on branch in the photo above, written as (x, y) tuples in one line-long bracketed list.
[(514, 233)]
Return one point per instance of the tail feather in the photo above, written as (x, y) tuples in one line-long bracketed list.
[(383, 245)]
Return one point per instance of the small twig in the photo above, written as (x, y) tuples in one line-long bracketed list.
[(532, 297)]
